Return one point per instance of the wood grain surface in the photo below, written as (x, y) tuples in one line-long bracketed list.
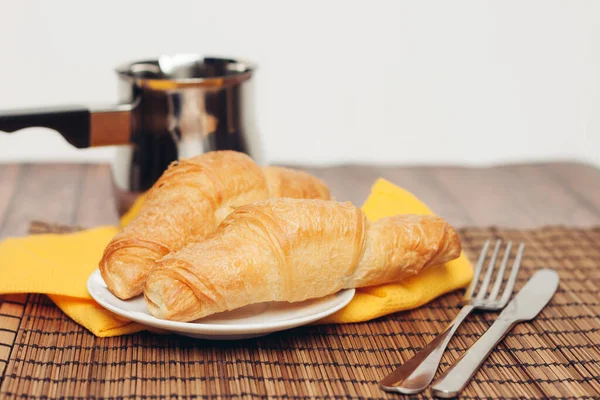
[(515, 196), (518, 196)]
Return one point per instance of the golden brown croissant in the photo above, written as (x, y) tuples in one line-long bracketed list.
[(292, 250), (186, 204), (286, 182)]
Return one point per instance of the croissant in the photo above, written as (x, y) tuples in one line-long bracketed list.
[(187, 203), (292, 250)]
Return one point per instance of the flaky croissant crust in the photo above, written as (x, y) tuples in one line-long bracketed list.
[(187, 203), (292, 250)]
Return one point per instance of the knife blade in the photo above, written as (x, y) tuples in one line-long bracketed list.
[(526, 305)]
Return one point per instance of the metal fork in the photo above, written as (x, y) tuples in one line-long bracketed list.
[(417, 373)]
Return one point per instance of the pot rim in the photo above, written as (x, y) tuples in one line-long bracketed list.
[(241, 70)]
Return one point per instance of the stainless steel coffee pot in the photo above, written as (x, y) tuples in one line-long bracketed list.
[(172, 107)]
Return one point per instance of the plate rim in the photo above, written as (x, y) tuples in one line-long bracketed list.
[(210, 328)]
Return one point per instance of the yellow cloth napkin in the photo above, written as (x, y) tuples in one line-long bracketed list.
[(59, 265)]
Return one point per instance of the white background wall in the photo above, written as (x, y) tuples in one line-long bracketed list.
[(338, 81)]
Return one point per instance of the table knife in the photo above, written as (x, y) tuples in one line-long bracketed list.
[(526, 305)]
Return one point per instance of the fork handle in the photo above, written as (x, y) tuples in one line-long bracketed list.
[(415, 375), (455, 378)]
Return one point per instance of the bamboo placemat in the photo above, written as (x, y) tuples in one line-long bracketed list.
[(47, 356)]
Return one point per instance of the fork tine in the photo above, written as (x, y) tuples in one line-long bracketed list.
[(488, 272), (510, 284), (500, 277), (478, 269)]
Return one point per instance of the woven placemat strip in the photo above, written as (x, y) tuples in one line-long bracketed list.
[(555, 356), (12, 308)]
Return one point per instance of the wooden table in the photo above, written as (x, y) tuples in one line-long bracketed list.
[(44, 353), (520, 196)]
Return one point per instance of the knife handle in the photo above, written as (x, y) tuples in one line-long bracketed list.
[(455, 378)]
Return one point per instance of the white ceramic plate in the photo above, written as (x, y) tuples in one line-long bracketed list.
[(251, 321)]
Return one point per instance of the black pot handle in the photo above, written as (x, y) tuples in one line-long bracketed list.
[(73, 123)]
